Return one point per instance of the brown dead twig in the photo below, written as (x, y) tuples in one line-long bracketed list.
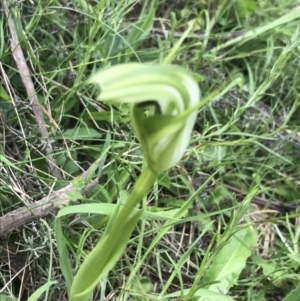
[(28, 84), (43, 207)]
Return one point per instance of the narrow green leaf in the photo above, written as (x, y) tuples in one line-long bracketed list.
[(7, 162), (4, 297), (204, 293), (246, 8), (80, 133), (108, 209), (142, 27), (4, 95), (294, 295), (102, 258), (113, 116), (38, 293), (254, 33), (230, 261), (64, 260)]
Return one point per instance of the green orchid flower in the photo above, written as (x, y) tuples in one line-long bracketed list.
[(164, 132)]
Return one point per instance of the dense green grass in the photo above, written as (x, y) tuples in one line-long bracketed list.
[(243, 159)]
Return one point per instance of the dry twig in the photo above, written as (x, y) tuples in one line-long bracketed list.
[(41, 208), (27, 82)]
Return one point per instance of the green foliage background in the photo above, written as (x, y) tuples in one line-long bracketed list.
[(246, 136)]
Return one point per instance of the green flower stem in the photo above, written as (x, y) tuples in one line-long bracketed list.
[(141, 188), (113, 242)]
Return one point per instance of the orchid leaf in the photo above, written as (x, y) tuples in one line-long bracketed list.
[(102, 258), (230, 261)]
